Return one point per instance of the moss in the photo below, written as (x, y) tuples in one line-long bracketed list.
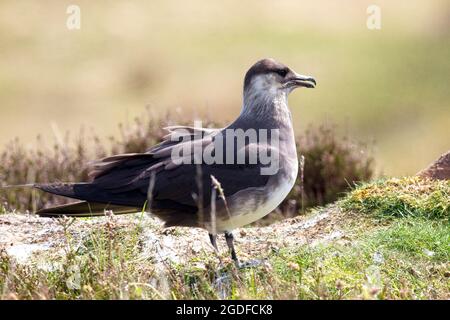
[(394, 197)]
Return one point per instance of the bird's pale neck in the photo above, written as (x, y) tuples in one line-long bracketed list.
[(270, 106)]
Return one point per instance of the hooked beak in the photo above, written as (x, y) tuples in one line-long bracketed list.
[(297, 80)]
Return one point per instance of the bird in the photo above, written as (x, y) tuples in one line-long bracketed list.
[(218, 196)]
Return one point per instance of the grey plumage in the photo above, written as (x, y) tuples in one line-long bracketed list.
[(180, 194)]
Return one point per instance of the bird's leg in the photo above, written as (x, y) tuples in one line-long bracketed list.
[(229, 238), (213, 239), (222, 281), (247, 264)]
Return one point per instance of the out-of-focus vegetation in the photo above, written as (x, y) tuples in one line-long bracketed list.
[(332, 163), (329, 165), (68, 160), (388, 85)]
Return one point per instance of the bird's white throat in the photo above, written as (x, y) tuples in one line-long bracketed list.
[(266, 99)]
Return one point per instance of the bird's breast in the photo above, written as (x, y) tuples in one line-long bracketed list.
[(250, 205)]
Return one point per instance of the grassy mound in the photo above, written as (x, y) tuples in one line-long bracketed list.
[(412, 196)]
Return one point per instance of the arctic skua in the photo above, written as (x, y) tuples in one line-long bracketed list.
[(173, 182)]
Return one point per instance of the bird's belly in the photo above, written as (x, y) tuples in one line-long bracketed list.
[(249, 210)]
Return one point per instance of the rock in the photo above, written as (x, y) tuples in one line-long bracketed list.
[(439, 170)]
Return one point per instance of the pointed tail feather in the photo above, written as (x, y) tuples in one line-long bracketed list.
[(80, 191), (60, 189), (84, 209)]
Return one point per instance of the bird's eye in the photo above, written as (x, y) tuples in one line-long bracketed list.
[(282, 72)]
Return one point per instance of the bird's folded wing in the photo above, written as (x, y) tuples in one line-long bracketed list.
[(183, 183)]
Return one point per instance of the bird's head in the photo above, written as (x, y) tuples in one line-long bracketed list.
[(268, 77)]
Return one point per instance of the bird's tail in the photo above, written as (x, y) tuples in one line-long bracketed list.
[(77, 209), (84, 209)]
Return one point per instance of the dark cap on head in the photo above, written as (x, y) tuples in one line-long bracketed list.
[(287, 78), (265, 66)]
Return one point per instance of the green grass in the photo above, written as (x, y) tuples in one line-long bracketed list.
[(104, 266), (418, 238), (373, 266), (403, 257)]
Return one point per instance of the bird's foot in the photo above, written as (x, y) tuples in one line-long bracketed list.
[(254, 263), (223, 278)]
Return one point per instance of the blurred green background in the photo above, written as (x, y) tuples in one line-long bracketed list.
[(390, 86)]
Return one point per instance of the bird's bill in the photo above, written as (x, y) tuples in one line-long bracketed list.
[(298, 80)]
